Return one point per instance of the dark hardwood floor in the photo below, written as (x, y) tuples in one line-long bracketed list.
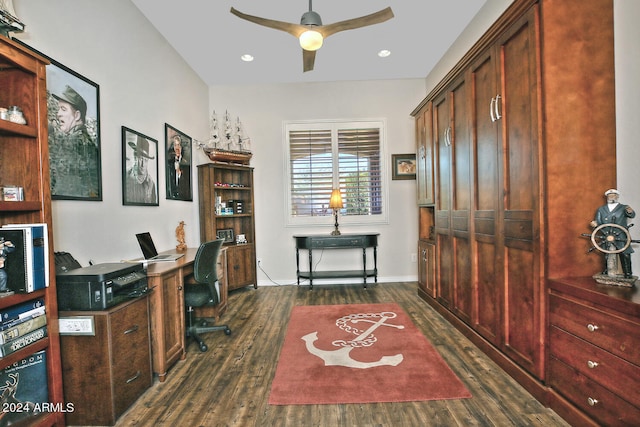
[(229, 385)]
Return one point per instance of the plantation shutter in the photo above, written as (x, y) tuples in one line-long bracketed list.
[(359, 171), (311, 161)]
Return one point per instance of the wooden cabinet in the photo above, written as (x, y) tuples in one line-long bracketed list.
[(515, 136), (167, 315), (424, 156), (594, 349), (231, 185), (24, 162), (106, 372), (427, 267)]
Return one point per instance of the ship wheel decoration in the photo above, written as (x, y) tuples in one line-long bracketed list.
[(611, 239)]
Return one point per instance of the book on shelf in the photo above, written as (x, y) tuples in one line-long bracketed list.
[(23, 341), (22, 328), (20, 311), (25, 384), (26, 259), (23, 317)]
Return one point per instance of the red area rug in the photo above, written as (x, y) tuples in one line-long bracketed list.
[(362, 353)]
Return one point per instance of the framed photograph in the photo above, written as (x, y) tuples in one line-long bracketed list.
[(226, 234), (73, 104), (404, 166), (139, 169), (178, 164)]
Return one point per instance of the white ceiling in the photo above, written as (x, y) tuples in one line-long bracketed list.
[(211, 39)]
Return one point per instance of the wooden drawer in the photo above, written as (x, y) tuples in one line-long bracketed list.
[(612, 372), (596, 401), (131, 362), (605, 330), (337, 243)]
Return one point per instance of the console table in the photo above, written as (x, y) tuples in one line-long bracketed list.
[(343, 241)]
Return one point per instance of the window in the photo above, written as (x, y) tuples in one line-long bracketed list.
[(326, 155)]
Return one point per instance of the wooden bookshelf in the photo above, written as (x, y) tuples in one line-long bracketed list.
[(24, 162)]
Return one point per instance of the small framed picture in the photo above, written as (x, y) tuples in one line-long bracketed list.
[(404, 166), (139, 169), (226, 234), (178, 164)]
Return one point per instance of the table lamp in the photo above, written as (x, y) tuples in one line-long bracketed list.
[(335, 203)]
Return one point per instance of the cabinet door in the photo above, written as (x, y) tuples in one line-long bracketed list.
[(424, 135), (444, 246), (518, 104), (241, 266), (426, 268), (168, 338), (460, 145), (486, 160)]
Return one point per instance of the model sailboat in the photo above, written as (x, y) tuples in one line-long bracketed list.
[(233, 146)]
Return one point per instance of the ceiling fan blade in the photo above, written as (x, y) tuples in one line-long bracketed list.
[(363, 21), (308, 59), (293, 29)]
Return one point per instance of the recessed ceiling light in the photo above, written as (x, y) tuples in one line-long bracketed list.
[(384, 53), (246, 57)]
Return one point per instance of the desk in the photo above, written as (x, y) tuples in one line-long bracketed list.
[(343, 241), (167, 310)]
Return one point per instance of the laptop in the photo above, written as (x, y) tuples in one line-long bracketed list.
[(149, 249)]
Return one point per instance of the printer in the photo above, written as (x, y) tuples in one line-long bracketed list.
[(100, 286)]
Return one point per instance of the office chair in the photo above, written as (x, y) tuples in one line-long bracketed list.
[(204, 292)]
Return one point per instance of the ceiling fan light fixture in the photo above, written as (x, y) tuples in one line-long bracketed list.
[(311, 40)]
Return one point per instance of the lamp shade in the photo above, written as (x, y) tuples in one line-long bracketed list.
[(336, 199), (311, 40)]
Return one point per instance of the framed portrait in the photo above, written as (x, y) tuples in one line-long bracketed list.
[(73, 113), (178, 164), (404, 166), (139, 169)]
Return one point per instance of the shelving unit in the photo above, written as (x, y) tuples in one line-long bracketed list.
[(24, 162), (229, 182)]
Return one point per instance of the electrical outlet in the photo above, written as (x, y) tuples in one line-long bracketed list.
[(414, 257)]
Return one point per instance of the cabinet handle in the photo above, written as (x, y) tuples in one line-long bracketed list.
[(133, 378), (424, 255), (496, 105), (131, 330), (179, 288), (421, 153), (447, 137), (591, 364), (592, 328), (493, 118), (592, 402)]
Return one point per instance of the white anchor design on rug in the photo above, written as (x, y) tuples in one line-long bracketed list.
[(342, 356)]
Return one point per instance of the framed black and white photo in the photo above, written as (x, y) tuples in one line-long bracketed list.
[(178, 164), (73, 104), (404, 166), (139, 169)]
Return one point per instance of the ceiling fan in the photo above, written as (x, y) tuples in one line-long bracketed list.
[(311, 33)]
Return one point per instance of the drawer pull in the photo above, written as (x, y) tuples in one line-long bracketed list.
[(131, 330), (591, 364), (592, 402), (133, 378), (592, 328)]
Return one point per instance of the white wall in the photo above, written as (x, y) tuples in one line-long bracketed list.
[(143, 84), (263, 108), (627, 33)]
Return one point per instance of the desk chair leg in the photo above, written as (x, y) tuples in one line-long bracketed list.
[(197, 326)]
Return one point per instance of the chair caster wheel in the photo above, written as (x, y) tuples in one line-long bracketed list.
[(227, 331), (203, 347)]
